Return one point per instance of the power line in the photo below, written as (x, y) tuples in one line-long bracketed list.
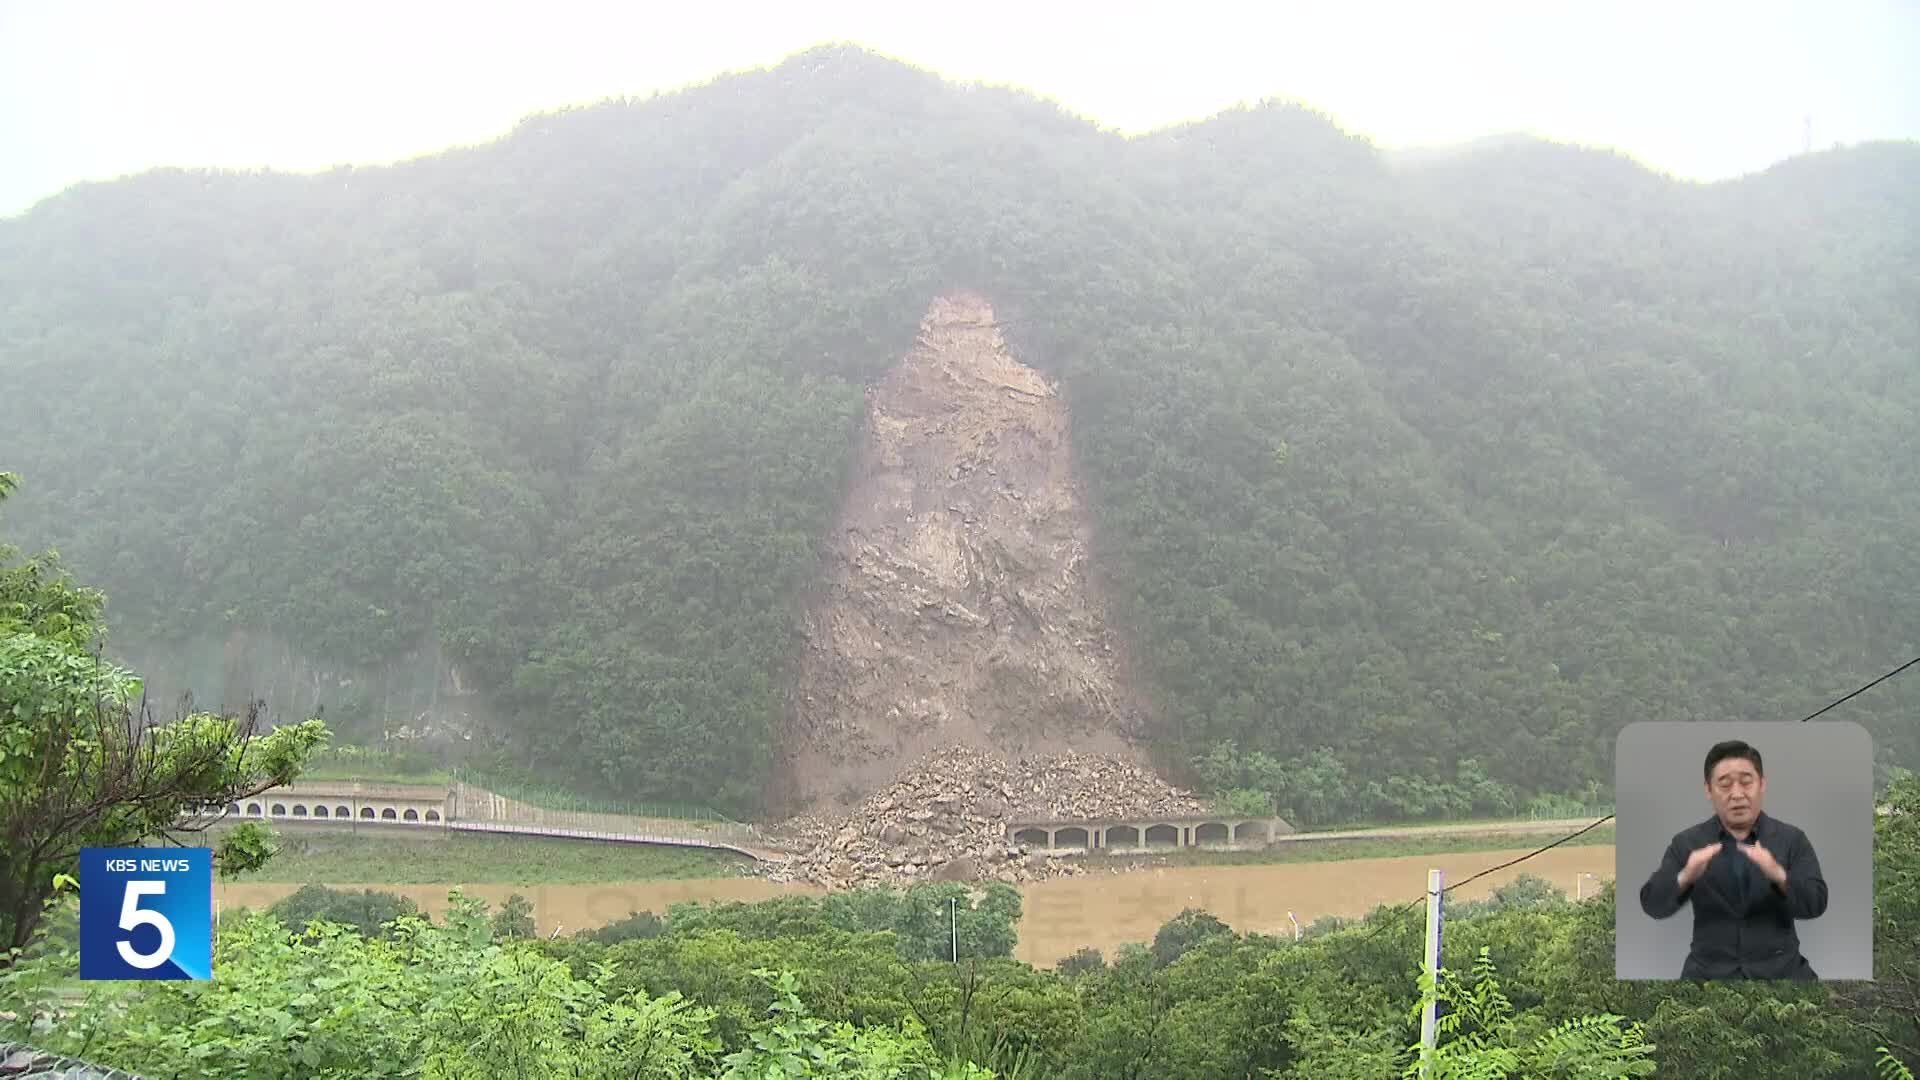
[(1404, 908), (1864, 689)]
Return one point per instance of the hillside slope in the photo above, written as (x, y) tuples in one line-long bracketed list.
[(1407, 485), (955, 609)]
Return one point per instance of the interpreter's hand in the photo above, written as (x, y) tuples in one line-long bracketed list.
[(1697, 864), (1765, 862)]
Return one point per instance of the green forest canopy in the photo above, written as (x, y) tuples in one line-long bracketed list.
[(1415, 481)]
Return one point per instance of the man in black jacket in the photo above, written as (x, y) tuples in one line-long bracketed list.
[(1748, 875)]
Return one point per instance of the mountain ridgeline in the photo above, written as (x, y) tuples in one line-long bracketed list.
[(1414, 478)]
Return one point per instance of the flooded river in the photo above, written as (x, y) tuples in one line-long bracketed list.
[(1102, 908)]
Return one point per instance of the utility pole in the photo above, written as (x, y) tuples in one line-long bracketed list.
[(953, 925), (1429, 1013)]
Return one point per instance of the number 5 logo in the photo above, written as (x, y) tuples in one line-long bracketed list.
[(129, 897), (132, 915)]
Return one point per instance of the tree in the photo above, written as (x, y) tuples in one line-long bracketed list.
[(1887, 1010), (368, 911), (441, 1001), (83, 762), (1184, 931), (1085, 959), (514, 920), (1481, 1038), (637, 926)]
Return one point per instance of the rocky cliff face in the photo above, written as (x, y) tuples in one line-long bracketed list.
[(419, 694), (955, 607)]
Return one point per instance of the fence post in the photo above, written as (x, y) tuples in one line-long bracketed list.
[(1429, 1013)]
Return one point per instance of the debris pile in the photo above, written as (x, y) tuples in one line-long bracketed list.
[(945, 819)]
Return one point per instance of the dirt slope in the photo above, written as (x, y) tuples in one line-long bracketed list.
[(954, 608)]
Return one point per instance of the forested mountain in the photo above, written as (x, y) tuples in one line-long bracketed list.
[(1415, 479)]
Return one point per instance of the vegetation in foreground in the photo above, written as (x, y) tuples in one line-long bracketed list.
[(861, 985)]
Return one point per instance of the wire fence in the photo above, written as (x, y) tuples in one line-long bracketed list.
[(1558, 812), (473, 803), (561, 800)]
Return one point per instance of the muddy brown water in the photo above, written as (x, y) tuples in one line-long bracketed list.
[(1104, 908)]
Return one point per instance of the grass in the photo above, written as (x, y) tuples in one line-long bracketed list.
[(1340, 850), (376, 858)]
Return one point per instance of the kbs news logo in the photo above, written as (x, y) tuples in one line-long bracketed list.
[(146, 913)]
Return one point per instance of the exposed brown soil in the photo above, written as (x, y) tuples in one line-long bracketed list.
[(955, 607)]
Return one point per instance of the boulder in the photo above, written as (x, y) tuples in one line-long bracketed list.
[(960, 869)]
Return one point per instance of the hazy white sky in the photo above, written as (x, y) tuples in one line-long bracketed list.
[(91, 89)]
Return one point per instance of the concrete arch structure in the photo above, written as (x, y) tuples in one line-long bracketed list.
[(350, 801), (1146, 834)]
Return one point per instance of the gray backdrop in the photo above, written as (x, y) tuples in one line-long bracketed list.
[(1819, 777)]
